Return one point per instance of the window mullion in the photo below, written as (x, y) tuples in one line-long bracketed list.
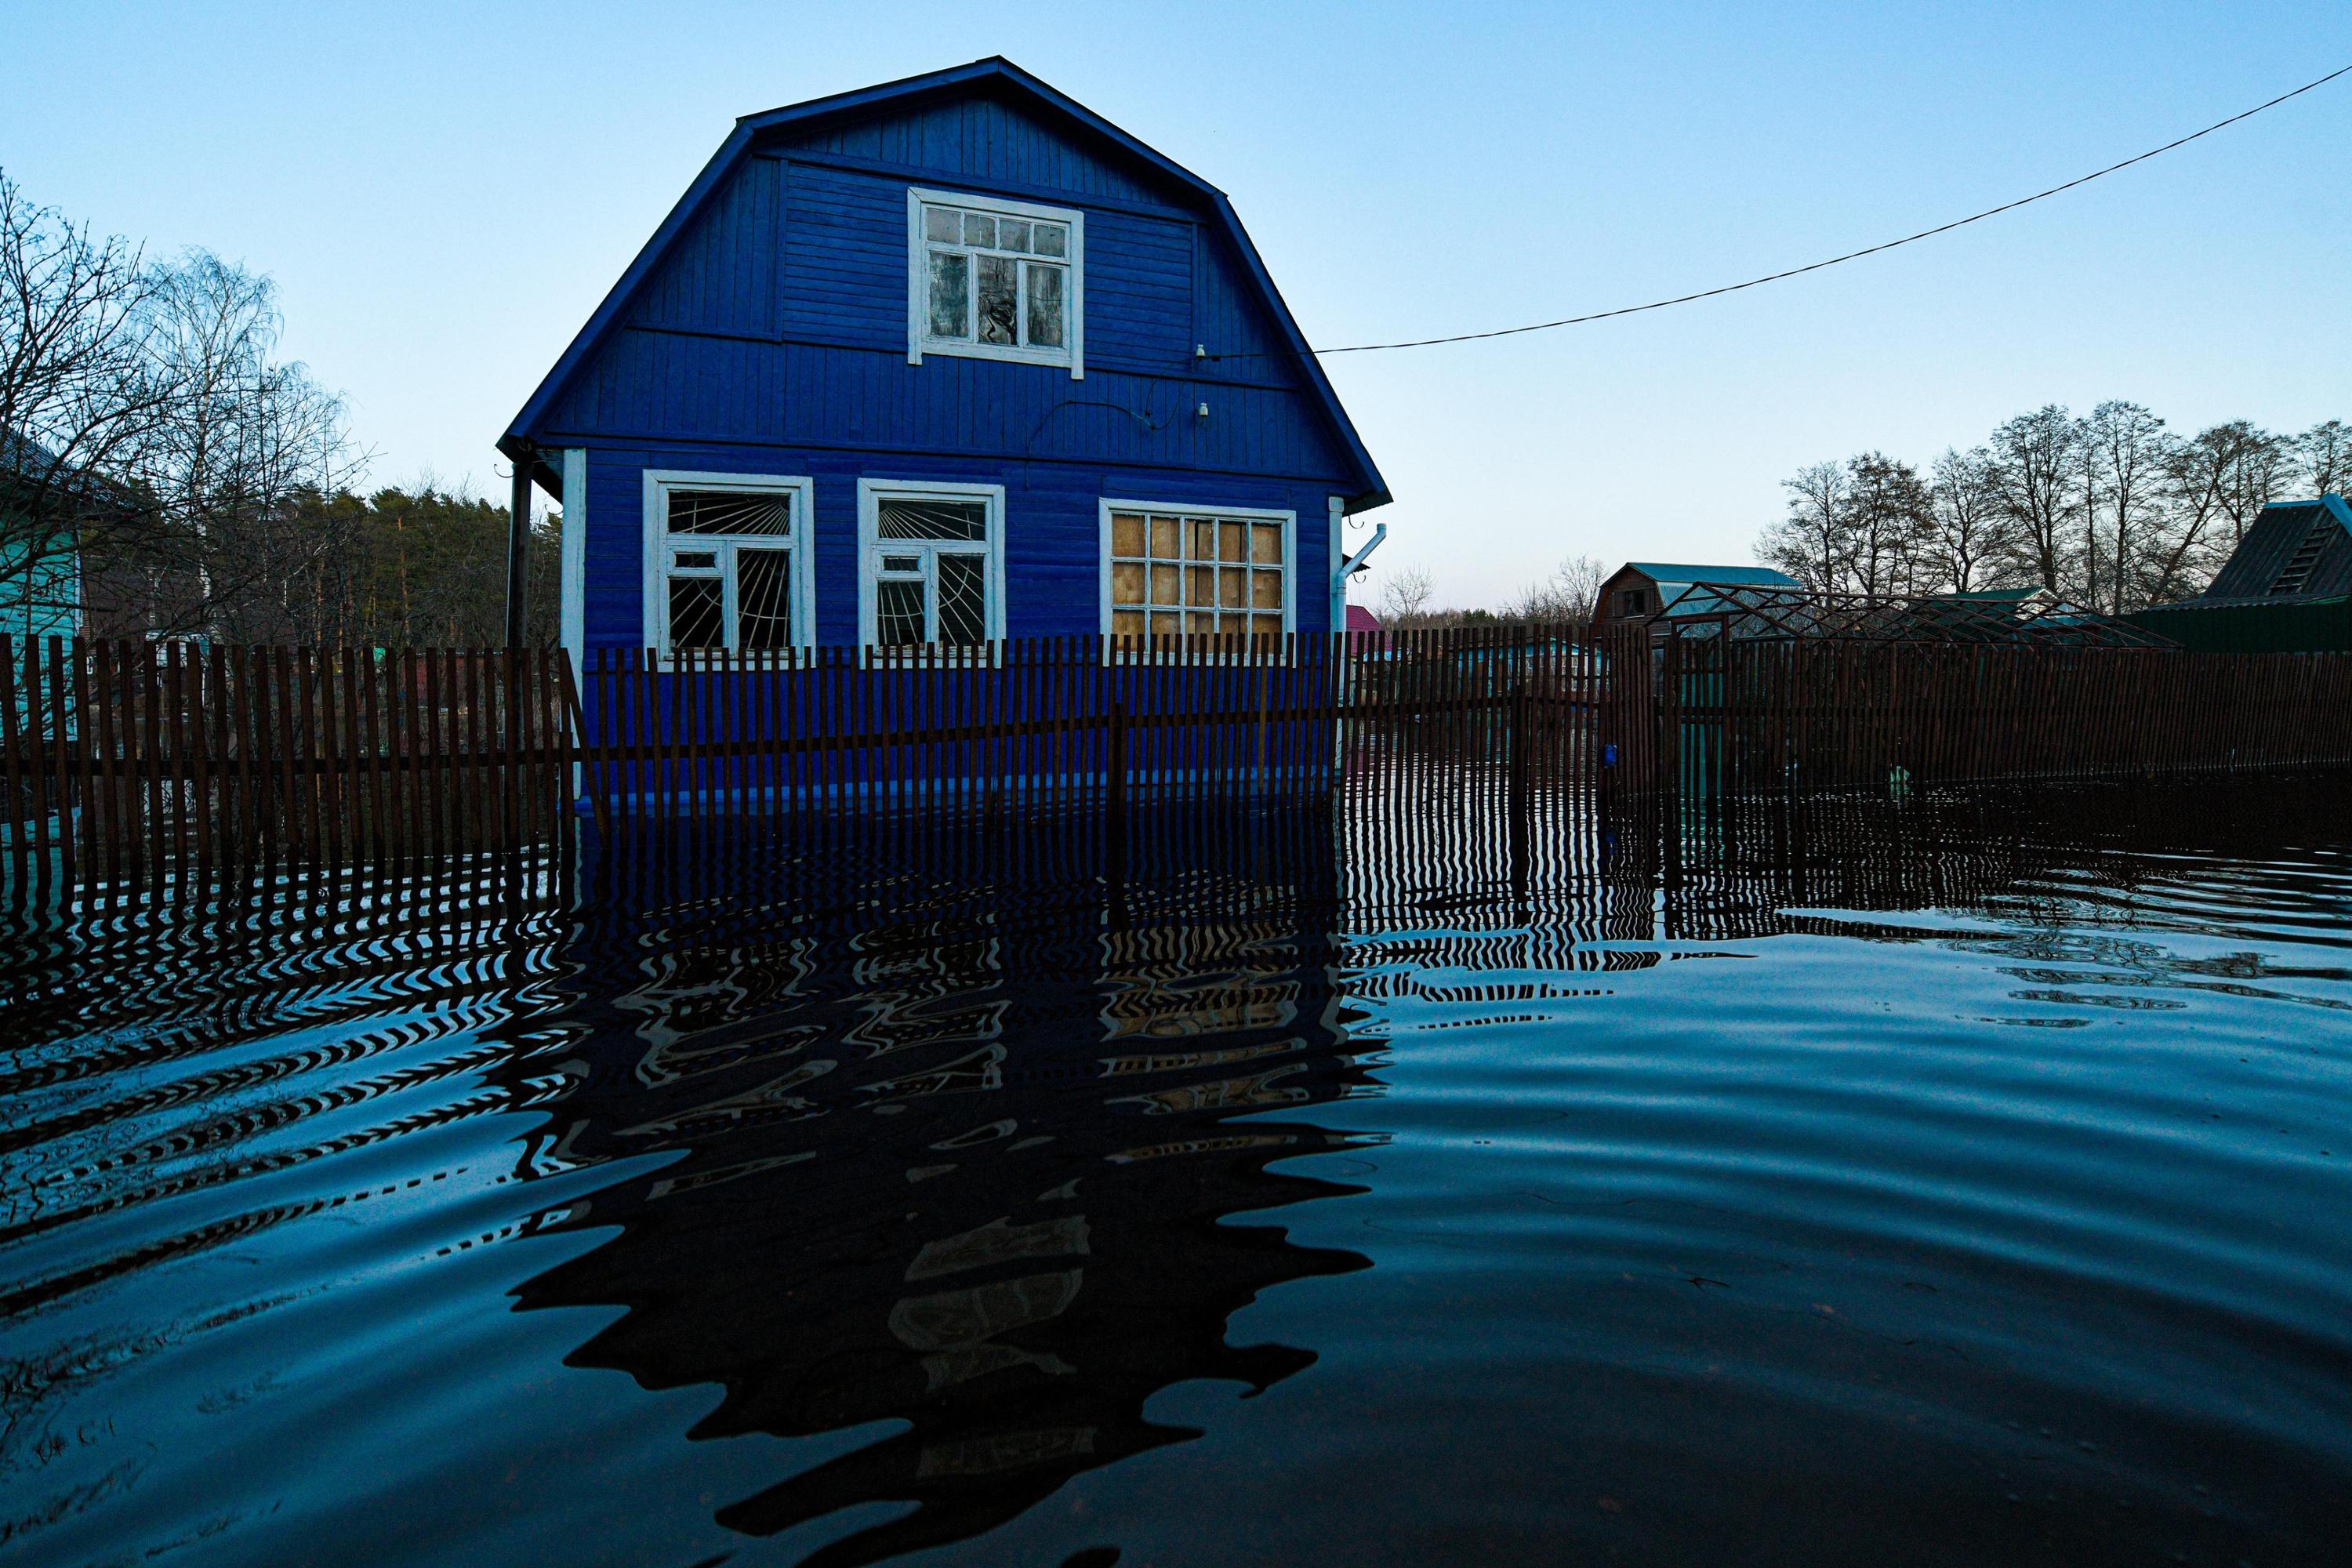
[(728, 633)]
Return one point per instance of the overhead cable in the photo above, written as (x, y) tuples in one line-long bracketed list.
[(1832, 261)]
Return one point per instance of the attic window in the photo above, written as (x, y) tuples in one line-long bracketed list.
[(993, 279)]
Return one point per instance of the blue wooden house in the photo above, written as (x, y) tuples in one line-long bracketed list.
[(942, 362)]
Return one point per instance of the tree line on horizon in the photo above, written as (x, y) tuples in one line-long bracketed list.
[(164, 471), (2112, 510)]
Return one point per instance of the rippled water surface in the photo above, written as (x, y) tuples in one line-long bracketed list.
[(1957, 1180)]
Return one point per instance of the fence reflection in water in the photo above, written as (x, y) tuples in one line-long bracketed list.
[(936, 1122)]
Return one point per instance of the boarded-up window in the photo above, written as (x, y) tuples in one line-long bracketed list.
[(1184, 574)]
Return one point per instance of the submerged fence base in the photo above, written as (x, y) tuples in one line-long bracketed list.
[(137, 764)]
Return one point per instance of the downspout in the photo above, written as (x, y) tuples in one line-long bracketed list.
[(1340, 595), (1350, 565), (519, 549)]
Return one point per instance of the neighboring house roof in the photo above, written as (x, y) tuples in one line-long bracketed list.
[(1677, 595), (2002, 595), (994, 74), (2295, 550), (1360, 620), (1661, 573), (21, 455)]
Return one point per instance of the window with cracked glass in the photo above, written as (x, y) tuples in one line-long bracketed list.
[(997, 279)]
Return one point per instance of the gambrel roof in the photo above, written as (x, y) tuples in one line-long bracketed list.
[(996, 76)]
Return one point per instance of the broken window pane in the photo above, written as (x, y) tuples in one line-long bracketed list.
[(1011, 234), (1049, 239), (999, 306), (898, 613), (1044, 306), (903, 517), (942, 223), (764, 600), (979, 229), (951, 280), (964, 597), (694, 612)]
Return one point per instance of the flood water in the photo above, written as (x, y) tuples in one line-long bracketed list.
[(1951, 1180)]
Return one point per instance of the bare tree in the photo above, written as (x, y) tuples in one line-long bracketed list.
[(79, 395), (2036, 461), (2125, 448), (1813, 543), (1886, 512), (1967, 537), (1406, 594), (2254, 466), (2325, 451), (1570, 595), (152, 445), (246, 438), (1578, 579)]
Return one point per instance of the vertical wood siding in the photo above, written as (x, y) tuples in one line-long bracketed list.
[(772, 339)]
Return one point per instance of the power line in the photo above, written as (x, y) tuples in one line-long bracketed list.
[(1834, 260)]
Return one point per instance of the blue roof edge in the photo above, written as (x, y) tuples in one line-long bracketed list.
[(1373, 491)]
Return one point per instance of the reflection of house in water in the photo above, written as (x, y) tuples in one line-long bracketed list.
[(960, 1160)]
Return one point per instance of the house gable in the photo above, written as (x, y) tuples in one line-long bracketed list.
[(771, 308), (2297, 549)]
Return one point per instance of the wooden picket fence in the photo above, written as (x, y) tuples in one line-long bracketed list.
[(1047, 722), (127, 762), (1741, 716), (139, 764)]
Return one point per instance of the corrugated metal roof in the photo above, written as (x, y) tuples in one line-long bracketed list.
[(2299, 549)]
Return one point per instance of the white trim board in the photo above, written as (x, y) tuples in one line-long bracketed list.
[(571, 590), (652, 531)]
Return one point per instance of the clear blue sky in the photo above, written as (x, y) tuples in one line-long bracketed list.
[(443, 192)]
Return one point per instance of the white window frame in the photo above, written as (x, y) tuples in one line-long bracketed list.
[(870, 545), (919, 340), (1290, 521), (801, 542)]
